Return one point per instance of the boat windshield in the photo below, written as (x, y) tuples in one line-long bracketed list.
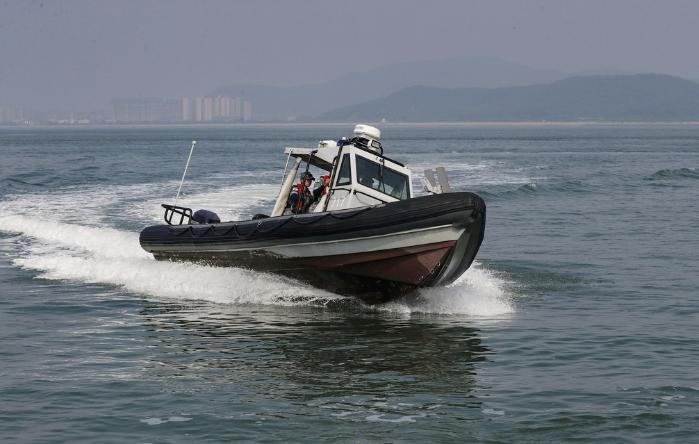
[(380, 178), (345, 175)]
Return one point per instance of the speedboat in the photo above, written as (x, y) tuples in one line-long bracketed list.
[(368, 235)]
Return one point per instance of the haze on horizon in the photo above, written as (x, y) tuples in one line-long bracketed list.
[(65, 55)]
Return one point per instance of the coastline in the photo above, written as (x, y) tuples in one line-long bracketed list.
[(309, 124)]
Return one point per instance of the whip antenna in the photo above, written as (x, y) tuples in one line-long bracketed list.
[(191, 150)]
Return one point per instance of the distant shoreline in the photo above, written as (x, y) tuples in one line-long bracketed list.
[(532, 124)]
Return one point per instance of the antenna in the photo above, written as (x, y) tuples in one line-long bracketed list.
[(191, 150)]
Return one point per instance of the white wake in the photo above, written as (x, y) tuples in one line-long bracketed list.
[(108, 256)]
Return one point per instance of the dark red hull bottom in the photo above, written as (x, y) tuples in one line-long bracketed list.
[(405, 265), (375, 277)]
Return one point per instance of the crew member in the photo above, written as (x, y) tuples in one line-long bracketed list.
[(301, 197)]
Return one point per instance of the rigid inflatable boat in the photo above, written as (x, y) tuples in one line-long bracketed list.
[(367, 236)]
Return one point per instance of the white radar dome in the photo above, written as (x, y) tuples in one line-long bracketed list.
[(367, 131)]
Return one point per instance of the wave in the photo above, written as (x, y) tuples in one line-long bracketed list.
[(18, 184), (43, 180), (677, 173), (478, 292), (30, 181), (570, 186)]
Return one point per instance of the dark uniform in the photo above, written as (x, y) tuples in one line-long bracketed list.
[(301, 197)]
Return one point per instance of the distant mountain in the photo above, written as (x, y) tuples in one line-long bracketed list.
[(275, 103), (639, 97)]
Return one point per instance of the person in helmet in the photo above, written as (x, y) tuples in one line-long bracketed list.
[(302, 197)]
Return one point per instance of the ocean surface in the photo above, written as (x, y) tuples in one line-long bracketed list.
[(578, 322)]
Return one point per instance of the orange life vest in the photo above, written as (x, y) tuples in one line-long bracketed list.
[(301, 199)]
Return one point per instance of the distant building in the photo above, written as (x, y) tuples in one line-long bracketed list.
[(225, 107), (247, 111), (146, 110), (215, 109), (237, 108), (198, 109), (208, 109), (186, 109)]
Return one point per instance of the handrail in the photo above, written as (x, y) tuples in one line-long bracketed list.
[(171, 210)]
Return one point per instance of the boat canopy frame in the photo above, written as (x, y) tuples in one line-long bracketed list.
[(310, 155)]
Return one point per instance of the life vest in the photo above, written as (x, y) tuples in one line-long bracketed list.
[(300, 200)]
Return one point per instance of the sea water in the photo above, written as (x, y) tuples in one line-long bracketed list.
[(578, 321)]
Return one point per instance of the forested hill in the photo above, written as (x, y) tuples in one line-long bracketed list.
[(639, 97)]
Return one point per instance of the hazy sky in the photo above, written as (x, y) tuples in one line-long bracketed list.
[(83, 53)]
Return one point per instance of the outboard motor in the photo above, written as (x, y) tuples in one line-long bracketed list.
[(205, 217)]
